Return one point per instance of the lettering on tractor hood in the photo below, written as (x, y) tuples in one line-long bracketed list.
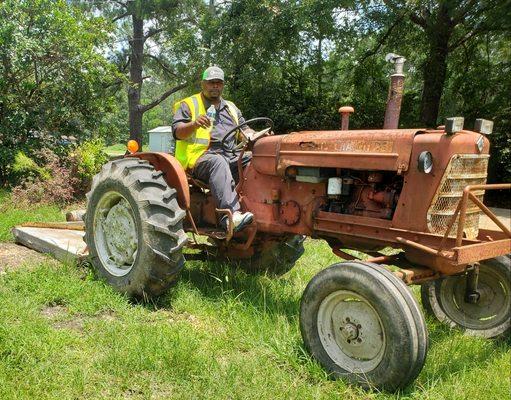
[(384, 150)]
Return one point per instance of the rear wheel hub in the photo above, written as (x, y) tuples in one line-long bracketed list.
[(115, 233)]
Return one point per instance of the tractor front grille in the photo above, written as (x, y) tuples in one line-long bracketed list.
[(463, 170)]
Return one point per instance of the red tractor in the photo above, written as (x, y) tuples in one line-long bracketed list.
[(418, 190)]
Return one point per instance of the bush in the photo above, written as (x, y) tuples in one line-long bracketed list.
[(56, 184), (87, 160), (58, 176), (25, 167)]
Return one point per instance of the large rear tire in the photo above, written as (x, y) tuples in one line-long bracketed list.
[(363, 325), (133, 228), (490, 316)]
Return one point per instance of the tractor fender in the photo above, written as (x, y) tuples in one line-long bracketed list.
[(173, 173)]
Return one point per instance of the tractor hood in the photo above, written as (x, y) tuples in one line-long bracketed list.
[(384, 150)]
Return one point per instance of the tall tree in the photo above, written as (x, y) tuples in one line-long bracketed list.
[(448, 25), (150, 26)]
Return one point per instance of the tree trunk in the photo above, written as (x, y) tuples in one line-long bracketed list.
[(435, 71), (135, 89), (435, 68), (319, 60)]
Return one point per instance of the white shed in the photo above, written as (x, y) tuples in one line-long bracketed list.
[(161, 139)]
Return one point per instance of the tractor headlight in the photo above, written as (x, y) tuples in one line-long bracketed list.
[(425, 163)]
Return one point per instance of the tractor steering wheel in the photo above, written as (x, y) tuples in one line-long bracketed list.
[(248, 139)]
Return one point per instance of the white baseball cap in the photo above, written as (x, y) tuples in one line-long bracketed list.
[(213, 73)]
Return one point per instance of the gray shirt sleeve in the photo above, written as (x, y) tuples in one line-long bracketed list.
[(182, 114)]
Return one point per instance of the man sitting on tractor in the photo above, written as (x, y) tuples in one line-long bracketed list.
[(200, 124)]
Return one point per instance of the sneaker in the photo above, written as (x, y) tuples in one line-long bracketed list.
[(241, 220)]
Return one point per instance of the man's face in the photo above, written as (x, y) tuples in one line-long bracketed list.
[(212, 89)]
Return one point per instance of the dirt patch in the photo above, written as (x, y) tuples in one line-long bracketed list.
[(75, 324), (13, 256), (54, 311), (107, 315), (60, 317), (161, 315)]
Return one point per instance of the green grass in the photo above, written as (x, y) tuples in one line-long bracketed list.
[(11, 216), (219, 334)]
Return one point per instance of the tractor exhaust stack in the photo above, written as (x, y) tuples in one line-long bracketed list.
[(345, 112), (395, 92)]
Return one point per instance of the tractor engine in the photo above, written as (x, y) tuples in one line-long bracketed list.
[(366, 193), (409, 179)]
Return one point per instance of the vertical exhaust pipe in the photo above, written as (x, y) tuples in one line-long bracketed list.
[(345, 112), (395, 92)]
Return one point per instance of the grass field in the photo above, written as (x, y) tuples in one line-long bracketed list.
[(219, 334)]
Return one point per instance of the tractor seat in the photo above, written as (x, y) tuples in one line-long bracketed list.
[(197, 182)]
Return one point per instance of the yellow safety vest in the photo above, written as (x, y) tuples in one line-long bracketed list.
[(189, 150)]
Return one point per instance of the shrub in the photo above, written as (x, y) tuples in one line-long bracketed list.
[(54, 185), (25, 167), (87, 160)]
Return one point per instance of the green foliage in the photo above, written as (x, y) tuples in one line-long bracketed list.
[(298, 62), (63, 69), (53, 75), (89, 157), (26, 167), (56, 184)]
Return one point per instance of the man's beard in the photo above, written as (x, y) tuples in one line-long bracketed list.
[(214, 95)]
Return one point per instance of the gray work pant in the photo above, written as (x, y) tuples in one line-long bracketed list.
[(221, 174)]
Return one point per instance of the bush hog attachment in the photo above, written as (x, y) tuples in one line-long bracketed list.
[(416, 190)]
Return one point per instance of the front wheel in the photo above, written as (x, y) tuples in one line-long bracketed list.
[(363, 325), (489, 316)]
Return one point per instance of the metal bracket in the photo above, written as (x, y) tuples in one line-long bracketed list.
[(472, 295)]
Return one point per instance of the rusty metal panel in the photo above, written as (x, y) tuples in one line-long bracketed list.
[(377, 230), (420, 188), (279, 206), (482, 251), (264, 155), (386, 150)]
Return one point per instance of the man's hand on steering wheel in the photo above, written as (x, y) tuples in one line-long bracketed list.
[(249, 135)]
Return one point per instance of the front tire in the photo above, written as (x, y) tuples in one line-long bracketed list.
[(133, 228), (363, 325), (490, 316)]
